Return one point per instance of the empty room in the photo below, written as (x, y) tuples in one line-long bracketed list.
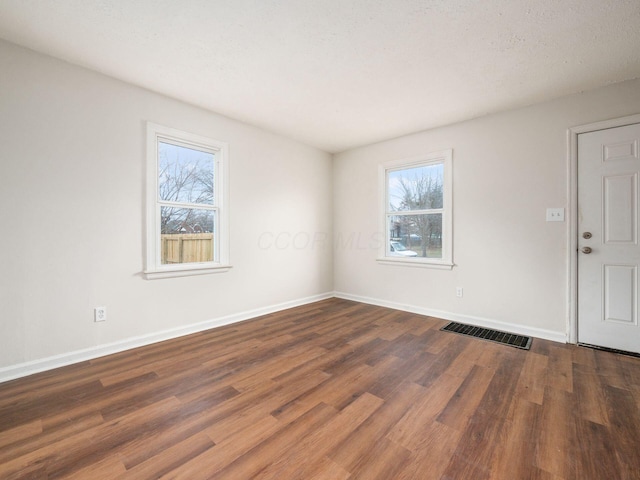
[(319, 239)]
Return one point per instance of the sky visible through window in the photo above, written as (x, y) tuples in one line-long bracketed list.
[(185, 178), (416, 188), (185, 174)]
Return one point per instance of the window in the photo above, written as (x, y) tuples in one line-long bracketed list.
[(417, 211), (187, 208)]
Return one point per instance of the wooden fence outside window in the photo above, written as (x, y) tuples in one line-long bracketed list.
[(186, 247)]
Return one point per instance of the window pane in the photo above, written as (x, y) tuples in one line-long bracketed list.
[(415, 235), (185, 174), (417, 188), (187, 235)]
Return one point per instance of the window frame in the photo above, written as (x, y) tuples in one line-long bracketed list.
[(154, 269), (444, 157)]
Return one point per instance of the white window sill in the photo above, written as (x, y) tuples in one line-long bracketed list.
[(405, 262), (185, 271)]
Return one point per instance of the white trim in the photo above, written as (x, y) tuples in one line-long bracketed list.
[(456, 317), (445, 157), (153, 268), (572, 224), (192, 269), (56, 361), (35, 366), (416, 262)]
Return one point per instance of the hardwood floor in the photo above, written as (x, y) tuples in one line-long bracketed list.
[(334, 390)]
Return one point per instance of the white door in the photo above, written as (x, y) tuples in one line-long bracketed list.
[(609, 254)]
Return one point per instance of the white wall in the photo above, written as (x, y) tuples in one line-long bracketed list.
[(72, 157), (508, 169)]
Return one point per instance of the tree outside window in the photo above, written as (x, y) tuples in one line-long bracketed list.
[(418, 216), (186, 206)]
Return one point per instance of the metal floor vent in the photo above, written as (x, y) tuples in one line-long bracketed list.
[(505, 338)]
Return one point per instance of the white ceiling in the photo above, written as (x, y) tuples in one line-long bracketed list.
[(341, 73)]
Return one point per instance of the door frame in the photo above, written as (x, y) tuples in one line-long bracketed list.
[(572, 241)]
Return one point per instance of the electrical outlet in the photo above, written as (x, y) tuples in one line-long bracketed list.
[(99, 314), (459, 292)]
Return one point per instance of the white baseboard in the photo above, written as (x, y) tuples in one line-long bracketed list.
[(455, 317), (35, 366)]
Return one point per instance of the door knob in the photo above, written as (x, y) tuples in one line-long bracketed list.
[(586, 250)]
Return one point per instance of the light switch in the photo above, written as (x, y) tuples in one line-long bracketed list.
[(555, 214)]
